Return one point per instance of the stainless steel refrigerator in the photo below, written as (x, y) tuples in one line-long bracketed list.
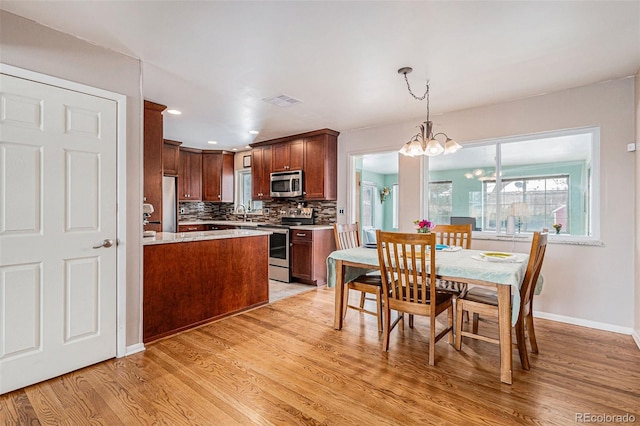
[(169, 205)]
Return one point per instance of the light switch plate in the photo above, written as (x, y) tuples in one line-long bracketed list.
[(631, 147)]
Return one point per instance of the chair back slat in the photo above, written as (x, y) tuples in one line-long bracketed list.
[(346, 235), (453, 235), (407, 266)]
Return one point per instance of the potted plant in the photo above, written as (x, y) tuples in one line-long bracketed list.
[(384, 193), (557, 227), (423, 226)]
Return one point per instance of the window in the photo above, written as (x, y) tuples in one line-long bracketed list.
[(394, 200), (440, 203), (369, 196), (243, 191), (539, 180), (534, 202)]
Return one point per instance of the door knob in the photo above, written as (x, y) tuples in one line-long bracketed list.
[(105, 243)]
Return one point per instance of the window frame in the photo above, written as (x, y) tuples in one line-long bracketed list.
[(593, 191), (250, 205)]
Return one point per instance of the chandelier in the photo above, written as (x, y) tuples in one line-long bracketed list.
[(425, 142)]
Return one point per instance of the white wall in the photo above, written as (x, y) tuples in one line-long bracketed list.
[(583, 284), (26, 44)]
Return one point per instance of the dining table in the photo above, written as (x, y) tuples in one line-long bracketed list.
[(460, 265)]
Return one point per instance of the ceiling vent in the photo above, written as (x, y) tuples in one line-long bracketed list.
[(282, 101)]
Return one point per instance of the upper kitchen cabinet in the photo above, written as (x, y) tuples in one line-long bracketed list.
[(152, 174), (287, 156), (261, 173), (217, 176), (190, 175), (171, 157), (319, 152), (321, 165)]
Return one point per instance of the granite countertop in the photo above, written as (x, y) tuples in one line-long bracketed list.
[(183, 237)]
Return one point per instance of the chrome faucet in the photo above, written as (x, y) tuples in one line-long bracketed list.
[(244, 211)]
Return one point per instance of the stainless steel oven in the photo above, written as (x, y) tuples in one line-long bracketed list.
[(279, 249), (280, 241)]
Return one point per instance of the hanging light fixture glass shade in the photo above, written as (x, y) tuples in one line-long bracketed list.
[(433, 148), (451, 146), (425, 142)]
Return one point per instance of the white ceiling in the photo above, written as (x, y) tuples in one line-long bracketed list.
[(216, 61)]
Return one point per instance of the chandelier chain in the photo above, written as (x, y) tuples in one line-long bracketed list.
[(419, 98)]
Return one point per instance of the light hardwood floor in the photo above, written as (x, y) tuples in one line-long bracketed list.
[(285, 364)]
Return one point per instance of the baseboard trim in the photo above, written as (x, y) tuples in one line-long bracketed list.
[(130, 350), (636, 337), (586, 323)]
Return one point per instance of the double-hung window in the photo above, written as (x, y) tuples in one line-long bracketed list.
[(534, 181)]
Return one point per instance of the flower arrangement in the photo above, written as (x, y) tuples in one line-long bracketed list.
[(423, 226), (384, 193), (557, 227)]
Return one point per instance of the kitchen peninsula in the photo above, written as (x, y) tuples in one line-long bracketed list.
[(196, 277)]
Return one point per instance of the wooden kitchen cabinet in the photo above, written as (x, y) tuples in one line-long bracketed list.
[(321, 166), (187, 284), (152, 174), (309, 252), (319, 153), (287, 156), (190, 175), (261, 173), (217, 176), (171, 157)]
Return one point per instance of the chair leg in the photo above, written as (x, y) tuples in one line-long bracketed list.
[(459, 310), (362, 299), (386, 328), (476, 318), (522, 345), (410, 320), (345, 301), (432, 340), (379, 309), (450, 315), (532, 333)]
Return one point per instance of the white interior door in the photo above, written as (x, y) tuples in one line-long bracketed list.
[(57, 209)]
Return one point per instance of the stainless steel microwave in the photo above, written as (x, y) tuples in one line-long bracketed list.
[(286, 184)]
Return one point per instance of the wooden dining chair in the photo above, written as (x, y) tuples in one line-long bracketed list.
[(453, 235), (408, 270), (347, 236), (480, 300)]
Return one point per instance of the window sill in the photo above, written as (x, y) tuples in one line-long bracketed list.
[(553, 239)]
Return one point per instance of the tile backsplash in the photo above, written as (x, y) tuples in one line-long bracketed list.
[(324, 212)]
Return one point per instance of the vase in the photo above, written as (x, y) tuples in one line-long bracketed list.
[(424, 231), (557, 231)]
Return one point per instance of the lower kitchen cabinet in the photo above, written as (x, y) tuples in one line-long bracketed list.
[(187, 284), (309, 251)]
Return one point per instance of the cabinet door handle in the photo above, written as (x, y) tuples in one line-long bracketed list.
[(300, 235)]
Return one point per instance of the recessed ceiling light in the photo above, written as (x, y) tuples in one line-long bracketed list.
[(174, 111), (213, 142), (247, 146), (234, 149), (254, 132)]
